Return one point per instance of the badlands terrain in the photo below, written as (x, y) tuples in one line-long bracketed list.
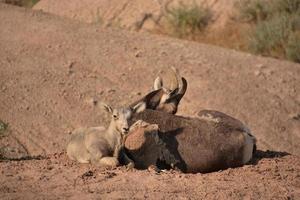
[(53, 70)]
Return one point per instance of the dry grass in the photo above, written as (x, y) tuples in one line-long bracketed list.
[(22, 3), (3, 127), (187, 20), (276, 27)]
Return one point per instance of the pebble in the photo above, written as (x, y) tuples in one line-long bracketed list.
[(257, 72), (138, 54)]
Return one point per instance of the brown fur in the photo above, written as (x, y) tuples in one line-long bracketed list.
[(201, 144), (154, 99)]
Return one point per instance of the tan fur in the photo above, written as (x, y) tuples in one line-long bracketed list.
[(101, 146)]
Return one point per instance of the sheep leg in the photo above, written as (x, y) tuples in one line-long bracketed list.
[(96, 154), (128, 162), (120, 154), (99, 159), (108, 162)]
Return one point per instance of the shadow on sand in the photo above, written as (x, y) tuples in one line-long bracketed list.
[(258, 155)]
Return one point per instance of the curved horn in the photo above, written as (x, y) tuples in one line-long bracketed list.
[(176, 97), (183, 86), (175, 79), (158, 83)]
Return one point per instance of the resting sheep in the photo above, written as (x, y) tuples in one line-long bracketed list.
[(212, 141), (101, 146)]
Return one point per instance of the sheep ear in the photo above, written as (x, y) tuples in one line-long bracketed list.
[(140, 107), (157, 83), (106, 107)]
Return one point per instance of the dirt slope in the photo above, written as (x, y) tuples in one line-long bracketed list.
[(58, 178), (130, 14), (52, 69)]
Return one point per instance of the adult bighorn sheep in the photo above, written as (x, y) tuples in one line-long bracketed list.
[(209, 142), (101, 146), (162, 98)]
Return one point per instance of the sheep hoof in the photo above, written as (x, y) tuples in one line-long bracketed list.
[(130, 166), (153, 168)]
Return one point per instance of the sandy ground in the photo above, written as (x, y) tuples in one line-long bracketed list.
[(52, 69), (55, 177)]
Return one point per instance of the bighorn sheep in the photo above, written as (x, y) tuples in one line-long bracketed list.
[(209, 142), (162, 98), (102, 146)]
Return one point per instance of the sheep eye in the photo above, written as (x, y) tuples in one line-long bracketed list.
[(115, 116)]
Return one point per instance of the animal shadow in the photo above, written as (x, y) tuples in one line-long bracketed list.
[(259, 155)]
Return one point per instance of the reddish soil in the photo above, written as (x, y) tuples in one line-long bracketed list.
[(58, 178), (52, 70)]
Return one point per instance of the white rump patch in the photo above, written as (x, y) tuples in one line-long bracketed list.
[(210, 118), (248, 147)]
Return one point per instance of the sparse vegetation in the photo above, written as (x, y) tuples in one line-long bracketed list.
[(273, 27), (270, 37), (22, 3), (3, 127), (276, 27), (252, 10), (186, 20), (292, 49)]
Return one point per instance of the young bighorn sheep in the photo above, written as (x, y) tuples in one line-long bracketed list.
[(162, 98), (209, 142), (101, 146)]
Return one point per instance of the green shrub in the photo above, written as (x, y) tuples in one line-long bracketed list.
[(259, 10), (269, 37), (185, 20), (286, 6), (252, 10), (22, 3), (293, 47), (276, 27), (3, 127)]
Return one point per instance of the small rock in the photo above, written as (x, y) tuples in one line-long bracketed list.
[(164, 53), (4, 88), (295, 116), (269, 72), (93, 101), (111, 90), (71, 65), (260, 66), (138, 54), (257, 72), (153, 168)]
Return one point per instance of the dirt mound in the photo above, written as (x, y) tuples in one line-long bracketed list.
[(55, 177), (133, 15), (54, 69)]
